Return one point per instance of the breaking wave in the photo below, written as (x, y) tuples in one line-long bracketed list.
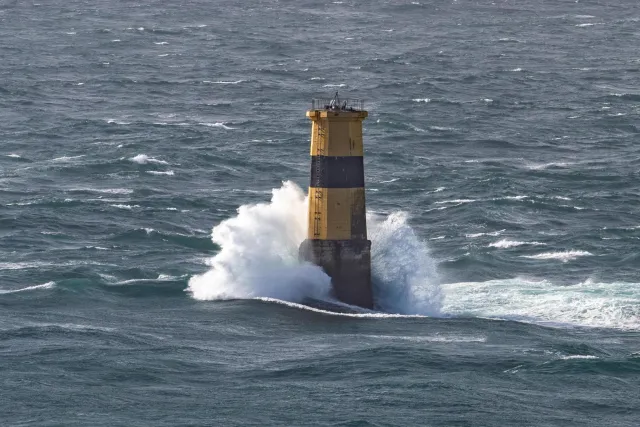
[(258, 259)]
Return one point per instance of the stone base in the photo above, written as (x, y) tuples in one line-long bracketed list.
[(348, 263)]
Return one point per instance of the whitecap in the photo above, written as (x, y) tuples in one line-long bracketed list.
[(425, 100), (459, 201), (102, 190), (128, 207), (143, 159), (47, 285), (542, 166), (334, 85), (505, 244), (224, 82), (15, 156), (168, 173), (160, 43), (429, 338), (563, 256), (578, 356), (416, 128), (222, 125), (67, 158), (490, 233)]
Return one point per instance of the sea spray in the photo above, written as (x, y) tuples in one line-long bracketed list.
[(258, 254), (258, 257), (405, 279)]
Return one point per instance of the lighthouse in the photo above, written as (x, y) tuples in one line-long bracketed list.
[(337, 223)]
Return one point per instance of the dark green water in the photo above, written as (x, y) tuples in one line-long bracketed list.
[(502, 171)]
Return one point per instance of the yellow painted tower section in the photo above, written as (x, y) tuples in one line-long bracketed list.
[(334, 212), (337, 232)]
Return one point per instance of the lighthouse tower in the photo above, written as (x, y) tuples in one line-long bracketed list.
[(337, 234)]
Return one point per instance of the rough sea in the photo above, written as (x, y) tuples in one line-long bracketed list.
[(154, 158)]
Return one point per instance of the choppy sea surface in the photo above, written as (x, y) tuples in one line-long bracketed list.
[(503, 188)]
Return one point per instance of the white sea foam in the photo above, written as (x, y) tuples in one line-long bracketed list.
[(334, 85), (143, 159), (168, 173), (563, 256), (15, 156), (455, 201), (23, 265), (416, 128), (425, 100), (104, 190), (160, 43), (224, 82), (505, 244), (578, 356), (222, 125), (160, 278), (428, 338), (359, 312), (541, 166), (128, 207), (66, 158), (489, 233), (259, 258), (609, 305), (47, 285)]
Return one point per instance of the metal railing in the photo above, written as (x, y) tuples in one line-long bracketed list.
[(337, 104)]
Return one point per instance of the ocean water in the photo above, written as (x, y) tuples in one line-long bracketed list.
[(153, 164)]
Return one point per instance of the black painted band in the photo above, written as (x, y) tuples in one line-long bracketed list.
[(337, 172)]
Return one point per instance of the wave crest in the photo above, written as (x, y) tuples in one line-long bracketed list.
[(259, 259)]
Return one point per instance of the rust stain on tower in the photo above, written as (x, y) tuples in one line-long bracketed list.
[(337, 234)]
